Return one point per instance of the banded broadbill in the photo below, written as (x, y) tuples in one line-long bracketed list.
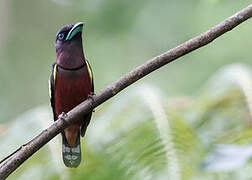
[(71, 83)]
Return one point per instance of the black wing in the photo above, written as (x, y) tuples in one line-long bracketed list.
[(90, 72), (87, 118), (51, 89)]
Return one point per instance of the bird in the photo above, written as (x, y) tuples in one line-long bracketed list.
[(71, 82)]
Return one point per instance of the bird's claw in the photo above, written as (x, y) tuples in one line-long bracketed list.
[(90, 96), (63, 116)]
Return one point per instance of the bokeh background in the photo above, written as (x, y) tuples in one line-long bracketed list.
[(189, 120)]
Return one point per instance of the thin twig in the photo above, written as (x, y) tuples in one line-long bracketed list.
[(79, 111)]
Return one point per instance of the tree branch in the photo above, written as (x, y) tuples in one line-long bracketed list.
[(27, 150)]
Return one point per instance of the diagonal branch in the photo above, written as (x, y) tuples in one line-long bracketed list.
[(27, 150)]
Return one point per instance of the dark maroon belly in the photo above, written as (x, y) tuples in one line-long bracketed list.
[(71, 88)]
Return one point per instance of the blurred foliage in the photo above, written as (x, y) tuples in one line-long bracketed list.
[(168, 129), (145, 134)]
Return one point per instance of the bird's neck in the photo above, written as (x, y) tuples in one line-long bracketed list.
[(70, 57)]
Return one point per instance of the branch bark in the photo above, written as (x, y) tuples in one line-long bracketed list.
[(27, 150)]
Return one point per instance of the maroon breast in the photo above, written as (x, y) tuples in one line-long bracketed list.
[(71, 88)]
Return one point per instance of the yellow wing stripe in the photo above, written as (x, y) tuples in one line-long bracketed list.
[(89, 72), (54, 79), (49, 88), (54, 73)]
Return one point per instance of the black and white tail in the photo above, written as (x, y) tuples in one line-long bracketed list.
[(71, 155)]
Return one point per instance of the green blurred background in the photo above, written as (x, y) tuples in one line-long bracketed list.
[(118, 36)]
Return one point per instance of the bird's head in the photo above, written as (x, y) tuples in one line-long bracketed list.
[(68, 44)]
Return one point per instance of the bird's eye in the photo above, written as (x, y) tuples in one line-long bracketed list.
[(61, 36)]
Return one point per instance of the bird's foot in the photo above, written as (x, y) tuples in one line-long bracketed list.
[(63, 116), (90, 96)]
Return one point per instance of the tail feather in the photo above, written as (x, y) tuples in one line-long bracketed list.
[(71, 155)]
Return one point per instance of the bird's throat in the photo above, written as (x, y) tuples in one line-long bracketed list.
[(70, 60), (70, 55)]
